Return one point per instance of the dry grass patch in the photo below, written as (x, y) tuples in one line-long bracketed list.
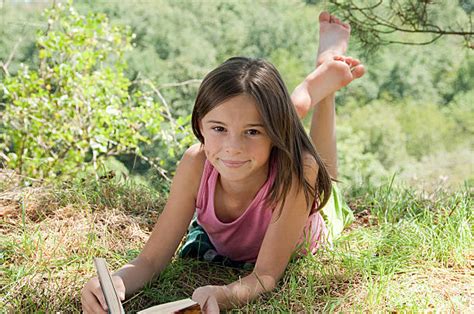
[(48, 243)]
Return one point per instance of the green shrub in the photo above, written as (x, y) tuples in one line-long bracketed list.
[(356, 165), (380, 132), (461, 110), (428, 130), (76, 109)]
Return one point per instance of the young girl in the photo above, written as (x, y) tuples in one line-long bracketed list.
[(255, 182)]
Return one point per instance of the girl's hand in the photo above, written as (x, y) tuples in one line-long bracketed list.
[(92, 298), (206, 298)]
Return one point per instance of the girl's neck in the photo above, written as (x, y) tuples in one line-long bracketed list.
[(250, 186)]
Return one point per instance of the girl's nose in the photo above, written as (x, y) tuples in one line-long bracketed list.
[(233, 144)]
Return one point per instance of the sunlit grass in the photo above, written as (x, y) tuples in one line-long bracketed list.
[(407, 251)]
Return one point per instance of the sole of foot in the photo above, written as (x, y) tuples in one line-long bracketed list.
[(333, 37)]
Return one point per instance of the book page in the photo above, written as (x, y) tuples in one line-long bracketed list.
[(180, 306)]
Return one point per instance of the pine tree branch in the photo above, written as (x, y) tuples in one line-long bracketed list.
[(413, 17)]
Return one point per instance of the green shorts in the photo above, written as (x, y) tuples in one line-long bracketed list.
[(199, 246)]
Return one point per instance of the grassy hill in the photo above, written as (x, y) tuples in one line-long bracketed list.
[(407, 251)]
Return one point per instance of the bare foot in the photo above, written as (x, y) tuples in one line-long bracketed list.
[(333, 70), (326, 79), (333, 37), (356, 67)]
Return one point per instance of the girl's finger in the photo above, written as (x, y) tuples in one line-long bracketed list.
[(90, 304), (119, 287), (100, 296)]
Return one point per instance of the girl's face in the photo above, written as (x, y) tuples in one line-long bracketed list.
[(235, 140)]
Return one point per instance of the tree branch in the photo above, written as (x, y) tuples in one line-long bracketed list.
[(10, 58), (412, 16)]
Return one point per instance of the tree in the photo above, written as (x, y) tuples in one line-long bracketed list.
[(409, 22), (76, 109)]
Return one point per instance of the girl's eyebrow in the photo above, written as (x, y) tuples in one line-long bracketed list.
[(248, 125), (255, 125), (214, 121)]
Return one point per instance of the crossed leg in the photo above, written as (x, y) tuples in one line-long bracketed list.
[(333, 71)]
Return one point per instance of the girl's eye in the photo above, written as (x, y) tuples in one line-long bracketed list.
[(253, 132), (218, 129)]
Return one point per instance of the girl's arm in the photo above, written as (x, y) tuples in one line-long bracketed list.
[(171, 225), (165, 237), (278, 245)]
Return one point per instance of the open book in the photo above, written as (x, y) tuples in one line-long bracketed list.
[(115, 306)]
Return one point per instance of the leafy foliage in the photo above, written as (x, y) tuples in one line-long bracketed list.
[(385, 137), (413, 101), (76, 107)]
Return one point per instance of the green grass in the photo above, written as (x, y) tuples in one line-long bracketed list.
[(407, 251)]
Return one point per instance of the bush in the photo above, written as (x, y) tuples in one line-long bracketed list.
[(356, 165), (460, 109), (380, 132), (76, 109), (428, 130), (380, 139)]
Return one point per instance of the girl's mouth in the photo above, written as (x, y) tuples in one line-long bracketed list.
[(233, 163)]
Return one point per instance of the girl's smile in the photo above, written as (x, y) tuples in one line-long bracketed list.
[(232, 163), (235, 140)]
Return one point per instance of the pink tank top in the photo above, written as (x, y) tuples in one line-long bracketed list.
[(241, 239)]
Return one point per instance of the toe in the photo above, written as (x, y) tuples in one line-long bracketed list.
[(355, 62), (352, 62), (324, 16), (358, 71), (349, 61)]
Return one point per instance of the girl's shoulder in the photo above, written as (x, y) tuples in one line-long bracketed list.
[(192, 165), (195, 154)]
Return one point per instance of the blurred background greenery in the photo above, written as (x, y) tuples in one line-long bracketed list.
[(83, 92)]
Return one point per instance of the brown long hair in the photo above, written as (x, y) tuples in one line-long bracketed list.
[(261, 80)]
